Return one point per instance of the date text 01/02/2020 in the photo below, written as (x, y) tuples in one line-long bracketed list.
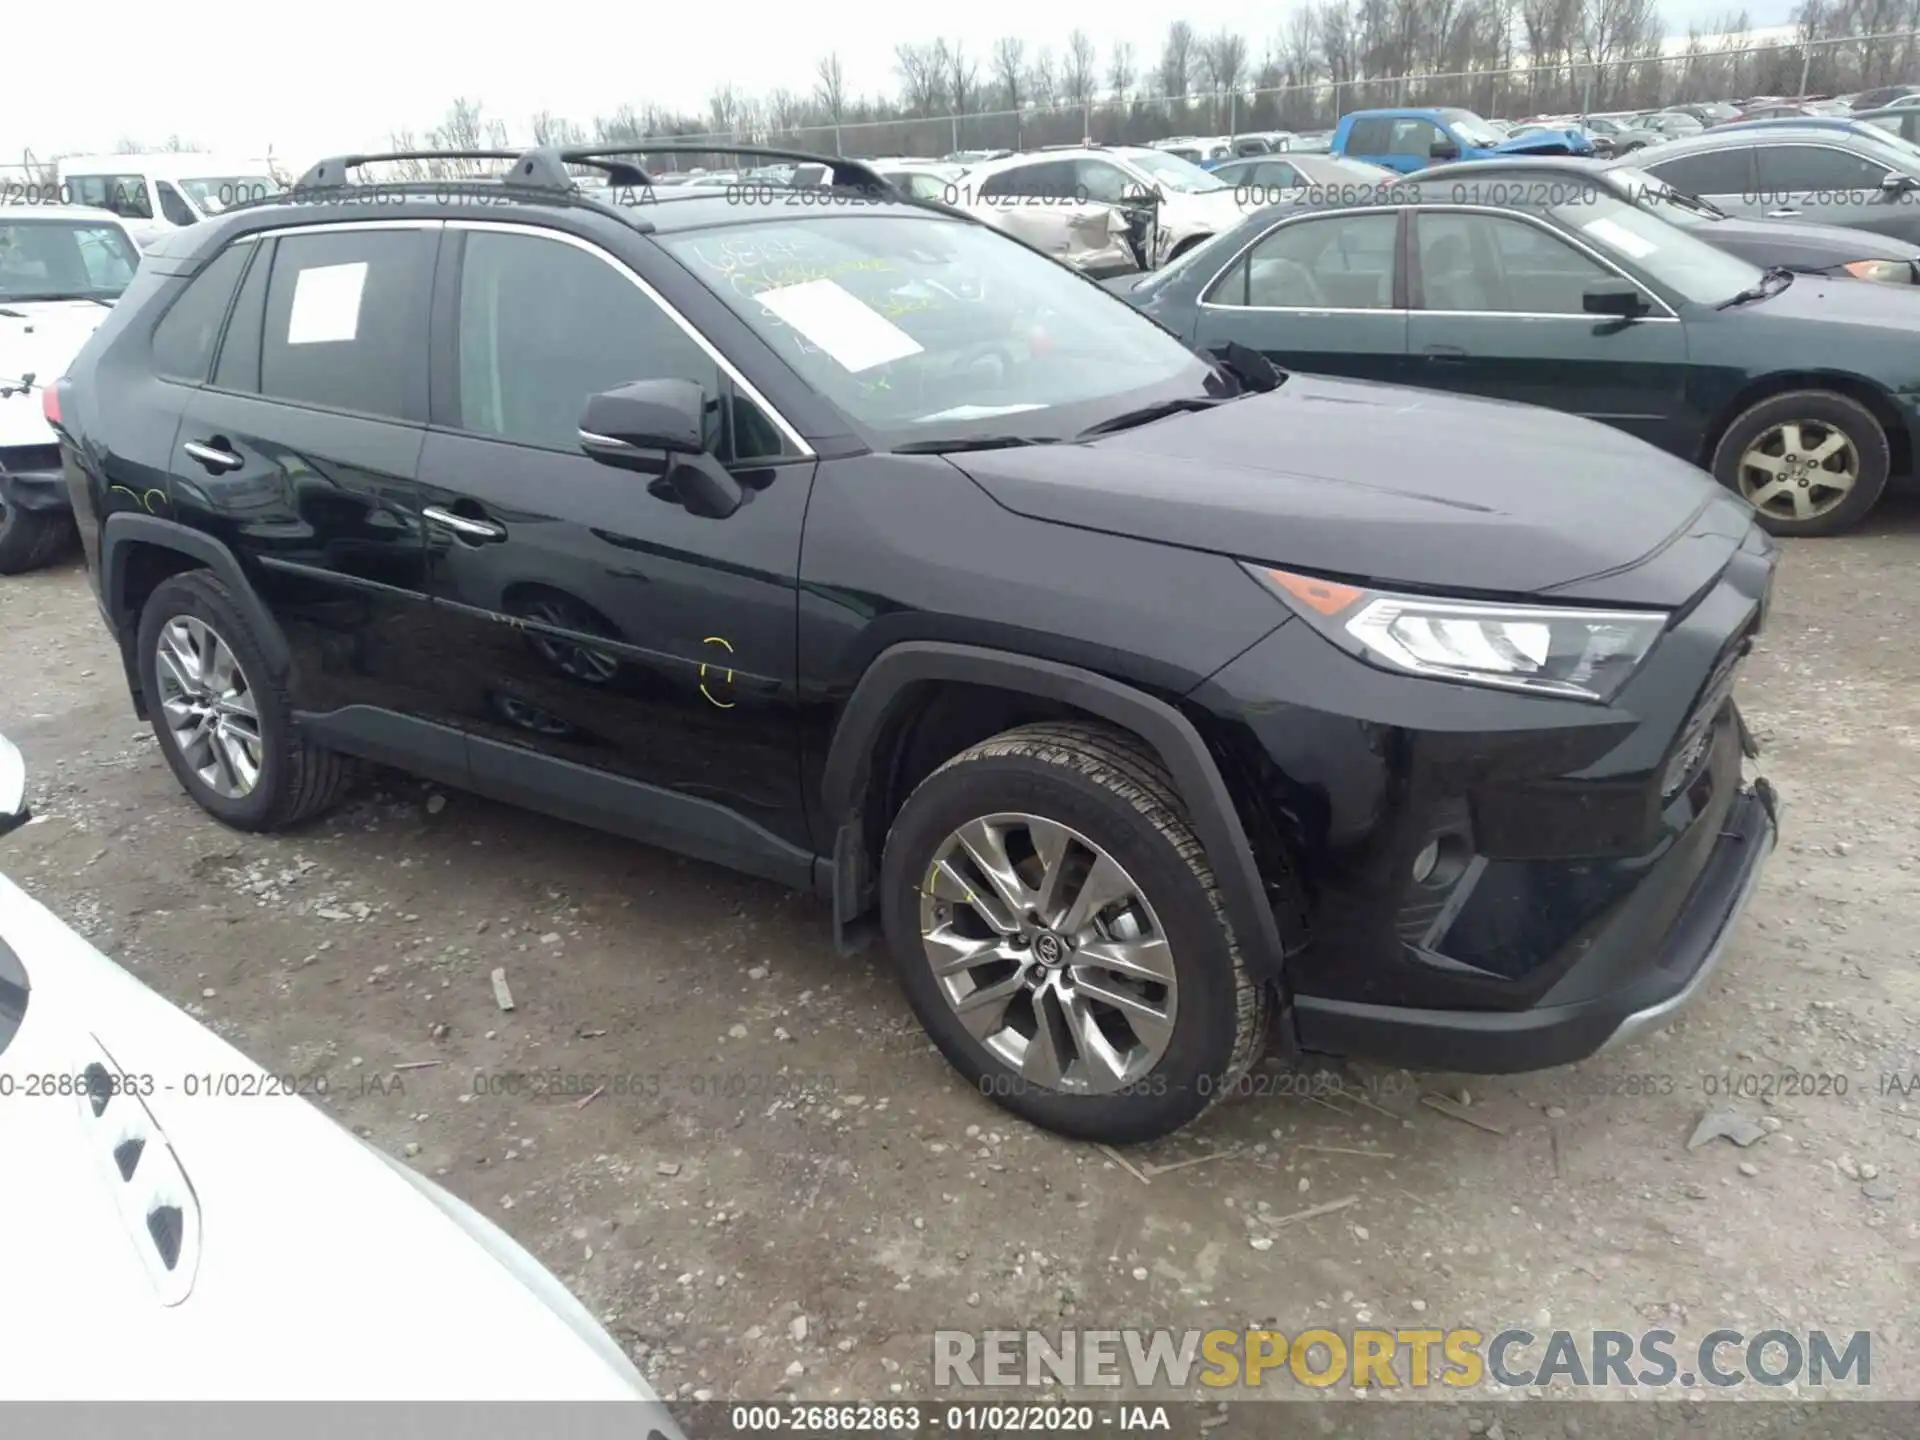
[(97, 1081)]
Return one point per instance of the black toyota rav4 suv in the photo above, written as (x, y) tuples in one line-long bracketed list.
[(1153, 706)]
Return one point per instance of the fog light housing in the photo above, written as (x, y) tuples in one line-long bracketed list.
[(1426, 862)]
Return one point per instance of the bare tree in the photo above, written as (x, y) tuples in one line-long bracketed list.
[(556, 130), (622, 127), (1010, 70), (723, 111), (963, 77), (1120, 72), (1223, 60), (1079, 73), (830, 85), (923, 78), (1176, 60), (1043, 83)]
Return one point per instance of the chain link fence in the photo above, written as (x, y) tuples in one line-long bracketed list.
[(1568, 87)]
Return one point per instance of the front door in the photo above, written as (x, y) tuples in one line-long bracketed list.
[(612, 656), (1499, 311), (1316, 293), (1833, 186), (299, 454)]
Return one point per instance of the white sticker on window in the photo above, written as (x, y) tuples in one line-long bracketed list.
[(326, 304), (857, 337), (1620, 238)]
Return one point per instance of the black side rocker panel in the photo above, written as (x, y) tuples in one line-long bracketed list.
[(875, 700), (122, 530)]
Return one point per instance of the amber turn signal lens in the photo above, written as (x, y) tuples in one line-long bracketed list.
[(1326, 597)]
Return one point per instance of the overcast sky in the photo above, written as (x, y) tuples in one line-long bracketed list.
[(237, 78)]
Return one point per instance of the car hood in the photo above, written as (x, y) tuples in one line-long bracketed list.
[(1804, 244), (41, 345), (310, 1265), (1841, 300), (1393, 485)]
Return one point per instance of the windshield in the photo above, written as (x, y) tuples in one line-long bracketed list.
[(213, 193), (925, 329), (64, 260), (1470, 127), (1645, 242), (1174, 173)]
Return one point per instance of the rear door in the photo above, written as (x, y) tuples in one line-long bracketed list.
[(1498, 310), (612, 655), (1318, 292), (300, 455)]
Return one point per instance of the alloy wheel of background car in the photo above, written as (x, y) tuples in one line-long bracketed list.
[(1048, 876), (1812, 462), (207, 702), (1049, 953), (223, 720)]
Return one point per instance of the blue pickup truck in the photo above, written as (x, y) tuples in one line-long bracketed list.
[(1409, 140)]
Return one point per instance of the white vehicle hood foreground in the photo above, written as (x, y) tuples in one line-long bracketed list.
[(41, 345), (309, 1266)]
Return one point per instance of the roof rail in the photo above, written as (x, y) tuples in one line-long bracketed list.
[(325, 174), (846, 173)]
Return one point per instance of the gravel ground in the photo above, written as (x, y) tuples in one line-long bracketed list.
[(779, 1188)]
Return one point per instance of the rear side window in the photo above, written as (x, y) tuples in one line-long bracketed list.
[(1785, 169), (183, 341), (124, 195), (346, 321), (1716, 172)]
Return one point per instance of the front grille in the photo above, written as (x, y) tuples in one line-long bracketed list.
[(1696, 736)]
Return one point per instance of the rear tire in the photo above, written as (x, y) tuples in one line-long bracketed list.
[(1120, 1072), (30, 539), (1812, 462), (273, 780)]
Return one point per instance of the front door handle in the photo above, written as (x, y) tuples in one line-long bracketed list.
[(216, 458), (1785, 214), (1445, 353), (465, 526)]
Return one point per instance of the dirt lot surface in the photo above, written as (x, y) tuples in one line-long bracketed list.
[(779, 1188)]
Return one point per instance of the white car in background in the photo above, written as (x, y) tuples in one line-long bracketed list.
[(164, 191), (183, 1226), (1170, 204), (61, 269)]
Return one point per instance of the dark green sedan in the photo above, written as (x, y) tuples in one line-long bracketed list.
[(1801, 392)]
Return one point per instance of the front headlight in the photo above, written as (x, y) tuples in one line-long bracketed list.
[(1891, 272), (1573, 653)]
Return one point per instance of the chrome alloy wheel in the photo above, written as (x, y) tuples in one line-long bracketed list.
[(1798, 470), (209, 707), (1049, 953)]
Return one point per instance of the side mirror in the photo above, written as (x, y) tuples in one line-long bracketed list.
[(1619, 298), (1898, 184), (658, 427), (13, 788), (1443, 150)]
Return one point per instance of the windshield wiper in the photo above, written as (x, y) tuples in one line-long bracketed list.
[(1127, 419), (1777, 278), (971, 442), (14, 314)]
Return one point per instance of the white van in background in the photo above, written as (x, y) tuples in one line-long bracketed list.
[(156, 193)]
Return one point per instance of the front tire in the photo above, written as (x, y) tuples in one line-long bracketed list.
[(1059, 932), (224, 724), (1812, 462)]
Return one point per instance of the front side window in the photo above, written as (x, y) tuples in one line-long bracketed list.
[(1371, 136), (64, 260), (1099, 181), (125, 195), (1170, 172), (920, 328), (1338, 262), (1644, 243), (177, 211), (1492, 263), (1415, 137), (544, 325), (1711, 172), (1789, 169), (346, 321)]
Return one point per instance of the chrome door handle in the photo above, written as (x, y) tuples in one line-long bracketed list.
[(461, 525), (1780, 214), (213, 457)]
